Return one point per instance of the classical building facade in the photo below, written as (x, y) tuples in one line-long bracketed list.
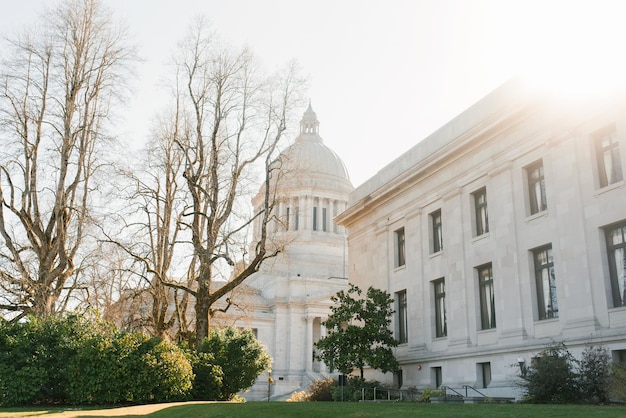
[(503, 231), (287, 300)]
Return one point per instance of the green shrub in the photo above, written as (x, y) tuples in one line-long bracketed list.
[(321, 390), (207, 384), (428, 393), (33, 358), (78, 360), (551, 379), (593, 375), (617, 387), (357, 388), (241, 357)]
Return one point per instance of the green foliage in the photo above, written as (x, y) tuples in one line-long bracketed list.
[(358, 332), (321, 390), (207, 384), (429, 393), (557, 377), (33, 357), (76, 360), (241, 357), (618, 381), (551, 379), (357, 388), (594, 375)]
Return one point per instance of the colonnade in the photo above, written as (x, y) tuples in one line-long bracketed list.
[(309, 213)]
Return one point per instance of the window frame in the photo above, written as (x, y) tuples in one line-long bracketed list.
[(481, 223), (399, 236), (402, 331), (436, 224), (619, 295), (439, 293), (545, 310), (612, 151), (486, 291), (535, 175)]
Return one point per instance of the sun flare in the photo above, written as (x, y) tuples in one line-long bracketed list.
[(573, 49)]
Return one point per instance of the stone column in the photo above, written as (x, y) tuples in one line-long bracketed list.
[(308, 351)]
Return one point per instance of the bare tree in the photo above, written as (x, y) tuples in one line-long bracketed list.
[(235, 119), (56, 90), (151, 227)]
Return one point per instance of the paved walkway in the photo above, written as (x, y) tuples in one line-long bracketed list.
[(138, 410)]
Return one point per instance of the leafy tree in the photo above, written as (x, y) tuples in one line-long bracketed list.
[(241, 357), (358, 332)]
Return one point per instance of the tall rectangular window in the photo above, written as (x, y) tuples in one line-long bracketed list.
[(296, 221), (545, 278), (401, 317), (536, 188), (324, 226), (546, 283), (314, 218), (480, 211), (441, 326), (399, 248), (287, 219), (616, 250), (487, 297), (437, 232), (484, 371), (608, 157)]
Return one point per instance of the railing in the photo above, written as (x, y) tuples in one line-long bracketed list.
[(474, 389), (387, 394)]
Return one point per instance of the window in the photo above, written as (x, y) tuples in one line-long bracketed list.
[(536, 188), (441, 326), (324, 220), (480, 211), (287, 219), (608, 157), (616, 250), (399, 248), (546, 283), (401, 317), (314, 218), (487, 298), (436, 376), (397, 379), (437, 235), (297, 218), (484, 374)]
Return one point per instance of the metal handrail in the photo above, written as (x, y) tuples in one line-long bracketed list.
[(445, 391), (474, 389)]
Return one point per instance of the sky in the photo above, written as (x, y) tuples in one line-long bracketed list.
[(383, 75)]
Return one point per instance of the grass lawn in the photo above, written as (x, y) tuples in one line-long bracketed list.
[(329, 410)]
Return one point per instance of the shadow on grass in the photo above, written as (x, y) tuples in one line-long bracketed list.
[(325, 409)]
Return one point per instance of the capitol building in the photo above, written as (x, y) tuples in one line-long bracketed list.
[(500, 233)]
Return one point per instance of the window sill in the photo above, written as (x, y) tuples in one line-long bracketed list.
[(437, 254), (481, 237), (546, 321), (486, 331), (536, 216), (609, 188), (399, 268)]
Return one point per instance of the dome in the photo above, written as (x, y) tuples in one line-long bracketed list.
[(309, 154)]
